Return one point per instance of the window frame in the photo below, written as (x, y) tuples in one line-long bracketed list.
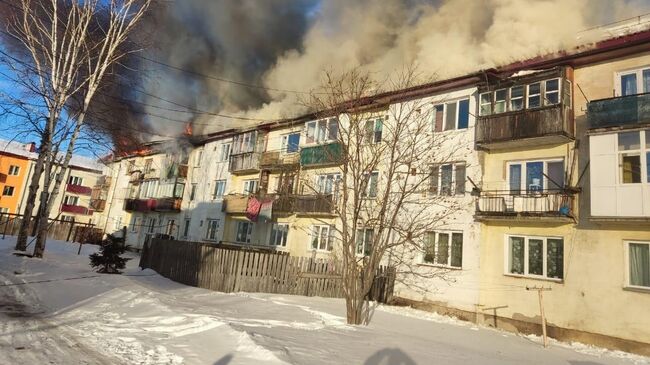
[(67, 200), (248, 233), (436, 236), (522, 98), (217, 183), (481, 103), (626, 247), (539, 95), (322, 131), (505, 100), (8, 190), (75, 180), (224, 153), (618, 82), (526, 274), (546, 92), (248, 182), (373, 175), (362, 232), (523, 189), (644, 154), (14, 170), (283, 238), (186, 227), (284, 145), (329, 246), (211, 229), (453, 191)]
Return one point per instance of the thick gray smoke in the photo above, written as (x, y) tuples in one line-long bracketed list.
[(287, 44)]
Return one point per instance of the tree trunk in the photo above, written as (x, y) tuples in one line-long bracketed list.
[(23, 233), (42, 214)]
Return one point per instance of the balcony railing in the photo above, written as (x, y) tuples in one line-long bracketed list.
[(550, 124), (235, 203), (304, 204), (328, 154), (245, 162), (136, 176), (620, 111), (98, 204), (168, 205), (507, 204), (75, 209), (104, 182), (277, 160), (78, 189), (153, 205)]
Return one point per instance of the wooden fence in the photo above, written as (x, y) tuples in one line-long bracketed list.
[(57, 229), (232, 270)]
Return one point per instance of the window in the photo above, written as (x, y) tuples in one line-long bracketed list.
[(516, 98), (534, 95), (447, 179), (199, 159), (485, 104), (457, 115), (8, 191), (322, 130), (225, 152), (65, 218), (75, 180), (244, 232), (634, 82), (321, 238), (535, 256), (438, 117), (290, 143), (500, 101), (70, 200), (244, 143), (551, 91), (630, 152), (250, 186), (373, 130), (186, 228), (535, 176), (212, 229), (135, 223), (152, 225), (279, 233), (192, 192), (14, 170), (371, 185), (118, 223), (328, 183), (639, 264), (444, 248), (219, 189), (147, 165), (170, 227), (364, 240), (148, 189)]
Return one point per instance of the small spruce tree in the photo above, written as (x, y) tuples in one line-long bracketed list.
[(108, 259)]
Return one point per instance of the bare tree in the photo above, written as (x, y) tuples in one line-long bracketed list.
[(69, 48), (386, 154)]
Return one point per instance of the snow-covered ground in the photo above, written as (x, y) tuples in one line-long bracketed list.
[(67, 314)]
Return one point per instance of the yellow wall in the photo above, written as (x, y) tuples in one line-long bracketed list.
[(17, 181)]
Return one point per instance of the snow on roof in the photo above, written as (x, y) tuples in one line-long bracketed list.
[(86, 163), (28, 150)]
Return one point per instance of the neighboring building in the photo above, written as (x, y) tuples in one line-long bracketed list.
[(15, 168)]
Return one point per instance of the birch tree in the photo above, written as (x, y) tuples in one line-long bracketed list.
[(68, 47), (386, 161)]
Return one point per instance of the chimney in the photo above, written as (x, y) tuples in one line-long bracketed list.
[(30, 147)]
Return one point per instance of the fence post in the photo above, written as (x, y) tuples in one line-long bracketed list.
[(124, 236), (70, 230), (4, 232)]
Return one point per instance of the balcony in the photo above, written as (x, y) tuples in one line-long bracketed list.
[(104, 182), (506, 205), (525, 128), (168, 205), (76, 209), (98, 204), (304, 204), (153, 205), (78, 189), (136, 176), (279, 161), (620, 111), (243, 163), (235, 203), (321, 155)]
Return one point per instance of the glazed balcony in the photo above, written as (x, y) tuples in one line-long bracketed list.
[(244, 163), (98, 205), (78, 189), (627, 110), (551, 124), (507, 205), (76, 209), (235, 203), (279, 161), (104, 182), (321, 155)]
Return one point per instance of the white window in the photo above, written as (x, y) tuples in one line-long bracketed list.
[(323, 130), (447, 179), (250, 186), (148, 189), (500, 101), (5, 210), (147, 165), (171, 226), (75, 180), (444, 249), (328, 183), (199, 158), (365, 238), (535, 176), (634, 157), (633, 82), (638, 262), (14, 170), (225, 152), (535, 256), (118, 223), (65, 218), (70, 200), (551, 92), (245, 142), (534, 95), (186, 227), (372, 181), (457, 115), (244, 232), (135, 223), (212, 229), (485, 104), (152, 224), (192, 192), (516, 98), (279, 234), (321, 238), (8, 191), (373, 130), (290, 143), (219, 189)]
